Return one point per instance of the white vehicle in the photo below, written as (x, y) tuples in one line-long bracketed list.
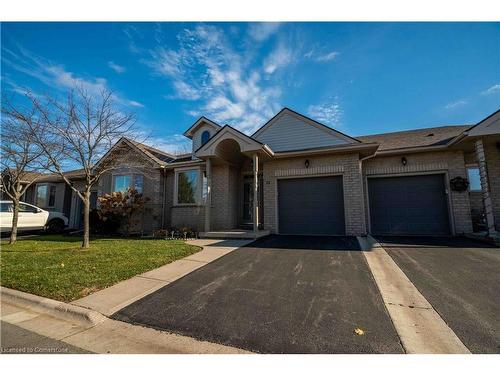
[(31, 218)]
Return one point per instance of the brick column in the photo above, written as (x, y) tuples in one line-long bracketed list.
[(208, 202), (488, 206)]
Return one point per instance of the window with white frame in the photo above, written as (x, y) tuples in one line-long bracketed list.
[(187, 186), (123, 182), (191, 186), (41, 195), (46, 195), (474, 178)]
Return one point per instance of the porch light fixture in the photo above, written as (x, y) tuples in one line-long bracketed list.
[(306, 163), (404, 161)]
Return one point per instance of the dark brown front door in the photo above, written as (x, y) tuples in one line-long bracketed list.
[(248, 200)]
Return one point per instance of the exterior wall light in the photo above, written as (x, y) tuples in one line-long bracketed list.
[(404, 161), (306, 163)]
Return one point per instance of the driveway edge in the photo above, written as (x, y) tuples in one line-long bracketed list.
[(419, 326), (109, 300), (51, 307)]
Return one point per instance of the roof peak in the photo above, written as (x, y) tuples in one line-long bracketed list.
[(189, 132)]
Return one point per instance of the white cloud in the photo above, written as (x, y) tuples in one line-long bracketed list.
[(185, 91), (327, 113), (133, 103), (56, 76), (117, 68), (455, 104), (278, 58), (261, 31), (492, 90), (207, 68), (309, 53), (175, 144), (317, 56), (328, 56)]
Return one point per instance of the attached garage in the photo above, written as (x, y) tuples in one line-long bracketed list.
[(409, 205), (311, 206)]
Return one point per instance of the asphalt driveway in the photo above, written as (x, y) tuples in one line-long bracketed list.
[(277, 300), (460, 278)]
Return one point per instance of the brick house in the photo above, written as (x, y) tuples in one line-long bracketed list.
[(297, 176)]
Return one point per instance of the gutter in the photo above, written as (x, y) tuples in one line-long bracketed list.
[(184, 163), (412, 150), (336, 149)]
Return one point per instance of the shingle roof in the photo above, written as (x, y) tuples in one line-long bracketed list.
[(55, 177), (415, 138), (161, 157)]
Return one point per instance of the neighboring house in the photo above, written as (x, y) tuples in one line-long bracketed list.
[(311, 179), (51, 193)]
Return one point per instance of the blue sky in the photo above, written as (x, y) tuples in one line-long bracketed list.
[(360, 78)]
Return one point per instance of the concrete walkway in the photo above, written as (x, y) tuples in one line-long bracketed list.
[(110, 300), (108, 336), (420, 328)]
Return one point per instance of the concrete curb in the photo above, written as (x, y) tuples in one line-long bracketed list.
[(367, 243), (51, 307)]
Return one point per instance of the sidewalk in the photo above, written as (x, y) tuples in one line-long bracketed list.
[(112, 299), (108, 336)]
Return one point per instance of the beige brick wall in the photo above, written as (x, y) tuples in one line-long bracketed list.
[(346, 165), (224, 208), (450, 162), (188, 216)]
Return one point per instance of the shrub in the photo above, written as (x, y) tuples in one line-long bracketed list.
[(184, 232), (99, 226), (122, 207), (161, 233)]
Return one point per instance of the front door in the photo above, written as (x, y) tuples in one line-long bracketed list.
[(248, 200)]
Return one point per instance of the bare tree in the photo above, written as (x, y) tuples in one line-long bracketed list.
[(76, 133), (21, 157)]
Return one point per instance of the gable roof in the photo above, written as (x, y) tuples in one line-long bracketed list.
[(157, 155), (202, 120), (306, 119), (150, 152), (487, 126), (437, 136), (236, 132)]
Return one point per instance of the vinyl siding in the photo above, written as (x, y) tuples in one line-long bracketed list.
[(291, 133), (199, 132)]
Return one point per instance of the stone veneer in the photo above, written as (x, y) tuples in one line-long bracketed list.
[(492, 153)]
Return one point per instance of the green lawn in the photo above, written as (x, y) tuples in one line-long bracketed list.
[(56, 266)]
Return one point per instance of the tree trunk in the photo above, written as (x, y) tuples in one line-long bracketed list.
[(86, 220), (15, 218)]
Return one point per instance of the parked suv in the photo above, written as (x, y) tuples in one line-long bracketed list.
[(31, 218)]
